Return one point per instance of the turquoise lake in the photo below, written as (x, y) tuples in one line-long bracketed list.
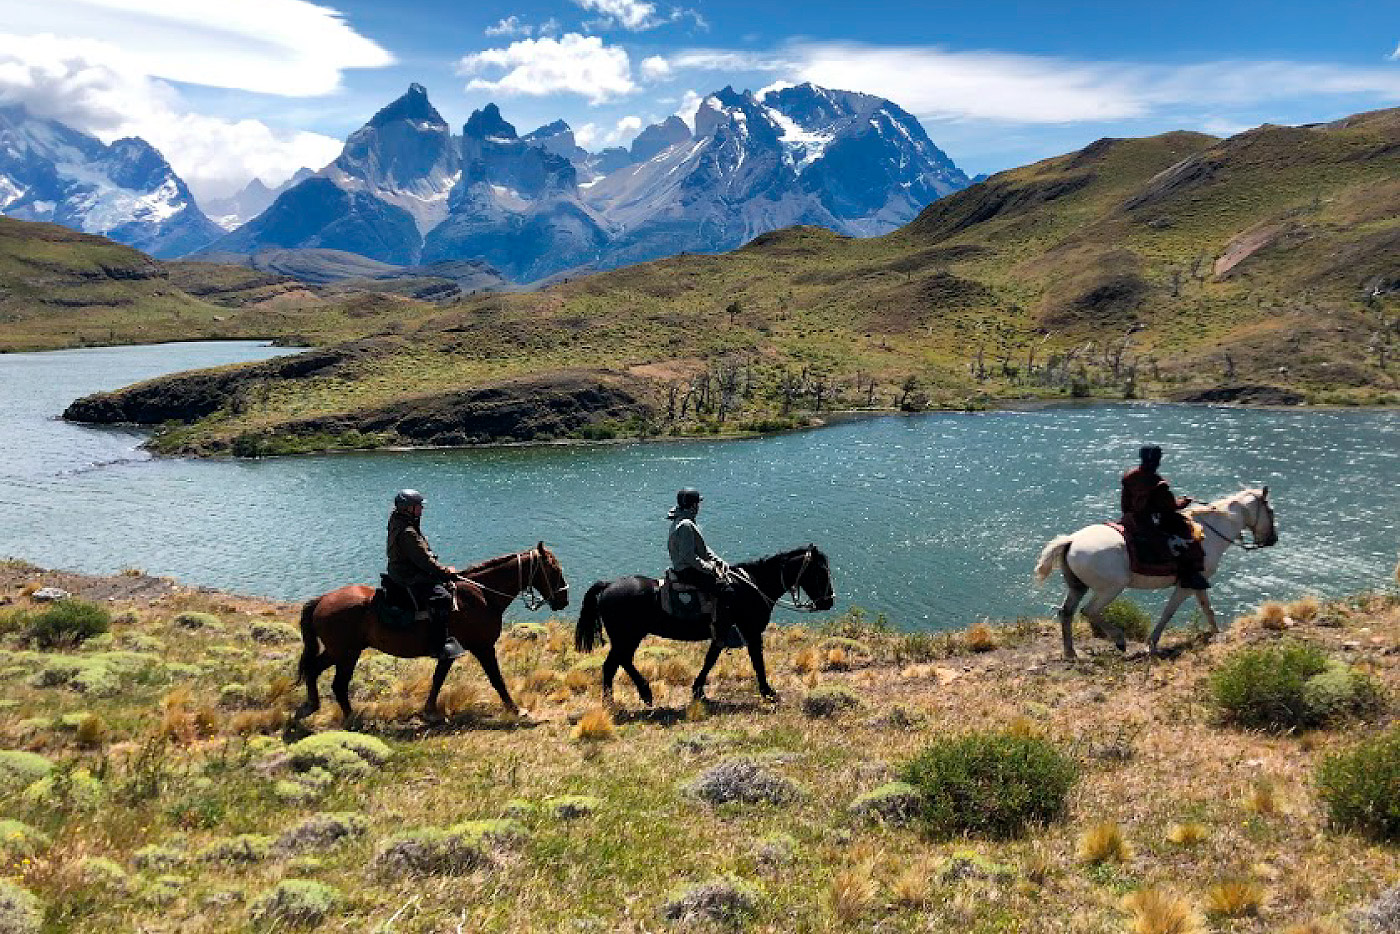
[(934, 520)]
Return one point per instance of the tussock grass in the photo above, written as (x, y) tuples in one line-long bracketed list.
[(1189, 833), (1160, 911), (1104, 843), (596, 725), (1235, 898), (853, 891), (980, 637)]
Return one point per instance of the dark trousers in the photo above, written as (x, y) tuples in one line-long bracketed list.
[(437, 600)]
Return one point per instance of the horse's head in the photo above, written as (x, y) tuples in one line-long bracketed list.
[(549, 580), (814, 577), (1259, 517)]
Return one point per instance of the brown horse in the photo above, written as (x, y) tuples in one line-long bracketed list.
[(336, 627)]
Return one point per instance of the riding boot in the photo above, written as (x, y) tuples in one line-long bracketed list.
[(727, 635), (1191, 566), (451, 648)]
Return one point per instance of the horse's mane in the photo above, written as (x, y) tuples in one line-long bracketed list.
[(1219, 507), (817, 555), (491, 562)]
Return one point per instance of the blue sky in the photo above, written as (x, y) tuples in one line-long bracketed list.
[(261, 86)]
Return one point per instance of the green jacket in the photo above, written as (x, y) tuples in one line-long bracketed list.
[(411, 562), (688, 549)]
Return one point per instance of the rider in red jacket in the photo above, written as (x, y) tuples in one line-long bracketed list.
[(1150, 508)]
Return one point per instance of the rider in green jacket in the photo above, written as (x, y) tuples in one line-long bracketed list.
[(694, 563)]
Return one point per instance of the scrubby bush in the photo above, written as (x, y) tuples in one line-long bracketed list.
[(1288, 687), (322, 831), (1129, 617), (1383, 914), (457, 850), (195, 620), (244, 848), (18, 839), (990, 784), (103, 873), (570, 807), (64, 790), (295, 902), (67, 623), (20, 769), (154, 857), (725, 899), (829, 701), (741, 780), (1361, 786), (894, 802), (19, 910), (341, 753)]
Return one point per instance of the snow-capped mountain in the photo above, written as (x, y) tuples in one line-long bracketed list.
[(405, 190), (126, 190), (255, 197)]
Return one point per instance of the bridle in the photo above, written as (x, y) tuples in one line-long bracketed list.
[(528, 590), (796, 600), (1238, 541)]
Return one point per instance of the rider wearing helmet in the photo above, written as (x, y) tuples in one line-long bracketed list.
[(413, 565), (1151, 508), (694, 563)]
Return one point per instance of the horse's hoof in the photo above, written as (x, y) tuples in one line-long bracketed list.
[(432, 715), (771, 696), (304, 711)]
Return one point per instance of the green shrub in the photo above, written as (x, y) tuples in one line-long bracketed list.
[(1361, 786), (1290, 686), (67, 623), (19, 839), (990, 784), (828, 701), (341, 753), (1129, 617), (19, 910), (297, 902), (19, 769)]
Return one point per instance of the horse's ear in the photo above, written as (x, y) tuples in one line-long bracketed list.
[(1266, 491), (541, 546)]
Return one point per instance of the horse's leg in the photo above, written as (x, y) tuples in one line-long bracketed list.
[(629, 666), (1073, 595), (760, 671), (487, 657), (430, 706), (1203, 598), (610, 664), (1177, 598), (1094, 612), (313, 690), (340, 684), (697, 690)]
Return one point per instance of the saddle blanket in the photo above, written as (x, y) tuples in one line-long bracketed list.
[(1149, 565)]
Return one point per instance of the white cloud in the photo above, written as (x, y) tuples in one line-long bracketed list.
[(936, 83), (690, 105), (285, 47), (1395, 56), (571, 64), (629, 14), (655, 68), (586, 135), (92, 87), (511, 26), (550, 27), (628, 124)]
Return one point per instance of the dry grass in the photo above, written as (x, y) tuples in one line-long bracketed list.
[(980, 637), (1304, 609), (578, 680), (1189, 833), (837, 659), (853, 891), (912, 887), (1104, 843), (1313, 927), (1262, 798), (596, 725), (806, 661), (1272, 615), (1235, 898), (1159, 911), (91, 731)]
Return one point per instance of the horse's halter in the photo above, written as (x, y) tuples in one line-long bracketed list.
[(796, 600), (531, 594), (1261, 503)]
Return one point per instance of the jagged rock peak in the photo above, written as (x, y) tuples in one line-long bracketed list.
[(488, 122), (549, 129), (658, 136), (413, 105)]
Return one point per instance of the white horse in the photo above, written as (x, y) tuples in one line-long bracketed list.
[(1096, 558)]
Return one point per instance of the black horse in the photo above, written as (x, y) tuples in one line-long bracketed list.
[(629, 608)]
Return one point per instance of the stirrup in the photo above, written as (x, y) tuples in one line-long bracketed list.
[(451, 649)]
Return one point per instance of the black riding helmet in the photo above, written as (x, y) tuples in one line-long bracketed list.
[(689, 498), (406, 499), (1151, 456)]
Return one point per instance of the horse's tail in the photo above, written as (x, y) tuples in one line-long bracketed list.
[(1051, 557), (589, 632), (309, 649)]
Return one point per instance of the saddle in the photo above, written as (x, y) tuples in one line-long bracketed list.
[(684, 601), (1149, 554), (396, 605)]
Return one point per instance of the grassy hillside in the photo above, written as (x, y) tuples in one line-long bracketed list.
[(60, 288), (150, 780), (1263, 267)]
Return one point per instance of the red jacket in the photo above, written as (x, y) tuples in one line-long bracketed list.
[(1146, 493)]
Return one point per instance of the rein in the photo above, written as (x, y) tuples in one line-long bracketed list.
[(533, 598), (794, 590), (1238, 541)]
